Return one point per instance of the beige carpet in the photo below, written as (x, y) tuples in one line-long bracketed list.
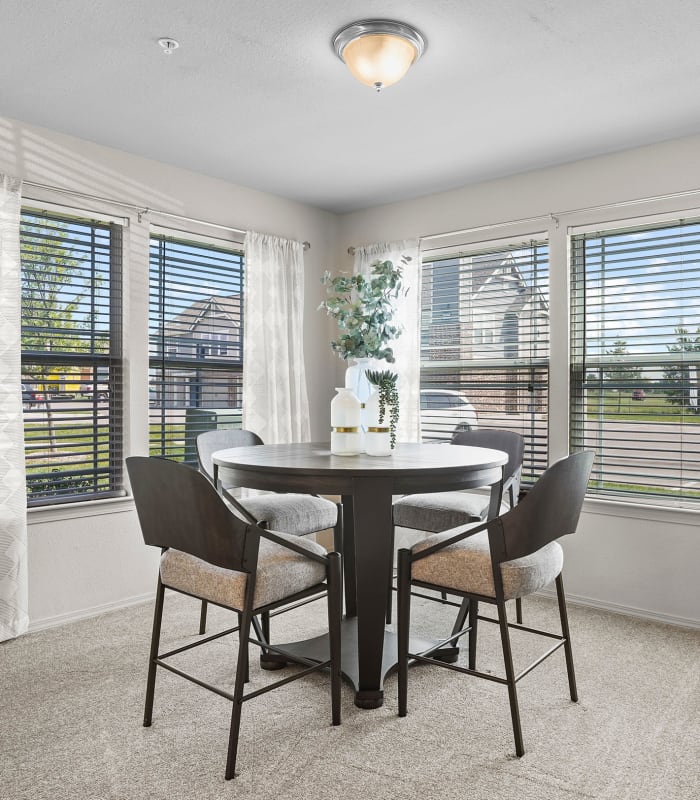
[(72, 706)]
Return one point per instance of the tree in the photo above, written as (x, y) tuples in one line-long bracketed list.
[(49, 302), (621, 374), (682, 380)]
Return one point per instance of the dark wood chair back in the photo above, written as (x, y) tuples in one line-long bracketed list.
[(179, 508), (221, 439), (508, 441), (550, 509)]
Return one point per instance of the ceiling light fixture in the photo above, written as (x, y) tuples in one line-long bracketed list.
[(169, 45), (378, 52)]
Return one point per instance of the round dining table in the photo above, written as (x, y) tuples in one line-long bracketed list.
[(367, 485)]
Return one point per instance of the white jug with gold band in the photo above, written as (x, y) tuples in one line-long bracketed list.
[(346, 435)]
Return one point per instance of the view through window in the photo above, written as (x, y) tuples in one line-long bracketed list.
[(635, 372), (71, 357), (196, 343), (485, 345)]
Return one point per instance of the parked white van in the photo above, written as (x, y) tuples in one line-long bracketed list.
[(444, 412)]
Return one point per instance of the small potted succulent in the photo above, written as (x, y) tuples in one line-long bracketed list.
[(380, 435)]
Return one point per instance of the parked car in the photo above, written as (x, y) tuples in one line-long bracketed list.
[(444, 412), (30, 397), (101, 389), (638, 394)]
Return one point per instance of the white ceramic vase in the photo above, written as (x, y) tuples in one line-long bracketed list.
[(377, 435), (356, 379), (346, 437)]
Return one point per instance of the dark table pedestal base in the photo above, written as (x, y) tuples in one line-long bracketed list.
[(317, 650)]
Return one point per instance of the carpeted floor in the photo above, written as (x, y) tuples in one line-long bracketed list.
[(72, 704)]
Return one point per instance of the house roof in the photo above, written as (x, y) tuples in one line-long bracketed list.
[(227, 306)]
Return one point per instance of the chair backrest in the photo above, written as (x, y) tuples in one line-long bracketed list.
[(221, 439), (550, 509), (509, 441), (179, 508)]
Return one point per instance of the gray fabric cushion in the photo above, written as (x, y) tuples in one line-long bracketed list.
[(441, 510), (281, 572), (466, 566), (297, 514)]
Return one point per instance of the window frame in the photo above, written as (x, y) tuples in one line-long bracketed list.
[(167, 360), (489, 362), (71, 366), (580, 370)]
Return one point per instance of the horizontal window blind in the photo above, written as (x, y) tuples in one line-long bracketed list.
[(485, 345), (635, 370), (195, 343), (71, 357)]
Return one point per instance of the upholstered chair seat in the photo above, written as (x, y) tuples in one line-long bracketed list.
[(281, 573), (296, 514), (466, 566), (441, 511)]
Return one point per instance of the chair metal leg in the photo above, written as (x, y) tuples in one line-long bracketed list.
[(473, 620), (245, 618), (335, 615), (339, 540), (265, 625), (243, 648), (461, 619), (519, 610), (563, 616), (152, 666), (203, 618), (403, 626), (350, 582), (510, 677), (390, 588)]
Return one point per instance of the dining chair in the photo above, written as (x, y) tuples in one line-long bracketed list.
[(441, 511), (209, 553), (510, 556), (295, 514)]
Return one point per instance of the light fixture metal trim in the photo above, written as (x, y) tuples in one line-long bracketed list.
[(367, 27)]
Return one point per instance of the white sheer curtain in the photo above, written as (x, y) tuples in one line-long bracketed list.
[(407, 347), (275, 400), (14, 616)]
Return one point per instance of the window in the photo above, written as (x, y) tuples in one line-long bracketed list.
[(71, 357), (485, 345), (196, 343), (635, 371)]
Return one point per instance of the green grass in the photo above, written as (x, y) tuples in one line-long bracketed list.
[(654, 408)]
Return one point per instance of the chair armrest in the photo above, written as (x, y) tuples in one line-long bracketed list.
[(242, 510), (447, 542), (273, 537)]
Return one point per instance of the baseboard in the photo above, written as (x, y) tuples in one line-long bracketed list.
[(630, 611), (85, 613)]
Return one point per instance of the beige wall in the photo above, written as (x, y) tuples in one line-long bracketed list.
[(90, 558), (634, 559)]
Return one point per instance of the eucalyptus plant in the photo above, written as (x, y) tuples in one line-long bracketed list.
[(363, 308), (385, 381)]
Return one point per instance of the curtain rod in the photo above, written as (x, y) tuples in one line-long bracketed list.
[(555, 215), (140, 210)]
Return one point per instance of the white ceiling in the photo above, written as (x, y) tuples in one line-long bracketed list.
[(255, 94)]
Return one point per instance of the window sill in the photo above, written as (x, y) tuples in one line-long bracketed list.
[(89, 508), (650, 512)]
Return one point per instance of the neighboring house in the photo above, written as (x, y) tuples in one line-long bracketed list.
[(200, 343), (481, 313)]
